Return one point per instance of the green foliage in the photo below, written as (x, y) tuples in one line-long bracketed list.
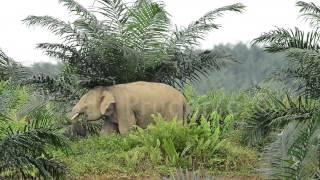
[(46, 68), (132, 42), (301, 49), (238, 104), (25, 137), (295, 152), (253, 67), (274, 113), (283, 39), (12, 97), (159, 149), (9, 69)]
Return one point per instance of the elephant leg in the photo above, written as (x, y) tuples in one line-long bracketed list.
[(174, 111), (126, 121), (109, 128)]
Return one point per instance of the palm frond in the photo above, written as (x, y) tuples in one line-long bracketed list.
[(310, 11), (24, 142), (60, 51), (308, 7), (304, 66), (197, 30), (58, 27), (282, 39), (20, 150), (115, 15), (274, 113), (78, 9), (92, 29), (9, 69), (55, 25), (292, 155), (189, 67), (147, 26)]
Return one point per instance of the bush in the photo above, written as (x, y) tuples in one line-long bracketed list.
[(239, 104), (159, 149)]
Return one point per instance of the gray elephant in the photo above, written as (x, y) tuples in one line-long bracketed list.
[(131, 104)]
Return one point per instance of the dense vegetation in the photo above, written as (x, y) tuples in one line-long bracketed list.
[(252, 67), (258, 116)]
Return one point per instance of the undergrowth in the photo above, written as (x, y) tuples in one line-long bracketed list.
[(161, 148)]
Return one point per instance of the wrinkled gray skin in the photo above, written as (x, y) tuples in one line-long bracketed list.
[(130, 104)]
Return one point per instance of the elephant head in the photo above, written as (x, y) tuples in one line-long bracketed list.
[(95, 104)]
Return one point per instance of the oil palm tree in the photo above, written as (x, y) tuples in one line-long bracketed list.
[(130, 42), (302, 49), (295, 152)]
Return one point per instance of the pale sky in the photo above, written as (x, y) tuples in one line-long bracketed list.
[(18, 41)]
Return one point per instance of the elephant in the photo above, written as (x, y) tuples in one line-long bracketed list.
[(131, 104)]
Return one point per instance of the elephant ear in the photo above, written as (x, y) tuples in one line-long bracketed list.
[(107, 103)]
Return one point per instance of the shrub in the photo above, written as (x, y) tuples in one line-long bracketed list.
[(225, 103), (159, 149)]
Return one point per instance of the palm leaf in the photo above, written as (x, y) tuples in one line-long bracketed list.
[(115, 15), (273, 114), (147, 26), (197, 30), (283, 39), (56, 26), (23, 147), (132, 43), (20, 150), (9, 69), (78, 9), (291, 155), (60, 51), (310, 11)]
